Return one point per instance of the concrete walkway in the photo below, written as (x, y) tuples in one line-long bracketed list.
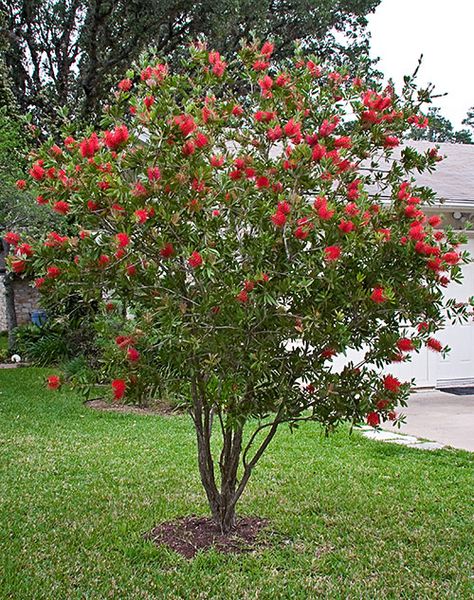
[(444, 418)]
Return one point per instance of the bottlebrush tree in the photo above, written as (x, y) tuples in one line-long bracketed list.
[(257, 221)]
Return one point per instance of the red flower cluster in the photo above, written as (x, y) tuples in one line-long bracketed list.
[(118, 387), (54, 382)]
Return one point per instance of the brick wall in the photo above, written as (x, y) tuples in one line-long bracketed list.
[(26, 301)]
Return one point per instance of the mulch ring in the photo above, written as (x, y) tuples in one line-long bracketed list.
[(158, 408), (189, 535)]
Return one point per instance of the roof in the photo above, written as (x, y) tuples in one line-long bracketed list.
[(453, 179)]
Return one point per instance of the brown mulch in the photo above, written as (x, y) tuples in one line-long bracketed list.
[(158, 408), (189, 535)]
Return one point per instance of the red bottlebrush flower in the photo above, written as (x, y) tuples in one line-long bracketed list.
[(12, 238), (301, 232), (266, 84), (139, 190), (284, 208), (373, 419), (115, 138), (419, 121), (189, 148), (346, 226), (69, 142), (217, 161), (195, 260), (148, 101), (267, 49), (262, 182), (264, 116), (61, 207), (392, 384), (386, 233), (37, 171), (434, 344), (153, 173), (123, 341), (405, 345), (21, 184), (237, 110), (452, 258), (328, 353), (344, 141), (242, 296), (186, 124), (332, 253), (434, 221), (41, 200), (327, 127), (282, 80), (313, 68), (118, 387), (278, 219), (125, 85), (249, 285), (103, 260), (39, 282), (201, 140), (292, 129), (260, 65), (122, 239), (55, 150), (391, 141), (25, 249), (54, 382), (142, 215), (167, 251), (91, 205), (274, 133), (216, 212), (382, 404), (423, 326), (378, 295), (18, 265), (133, 355), (392, 415), (351, 209), (319, 152), (131, 270), (89, 146), (53, 271), (324, 213)]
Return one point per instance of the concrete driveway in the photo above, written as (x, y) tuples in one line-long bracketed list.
[(440, 417)]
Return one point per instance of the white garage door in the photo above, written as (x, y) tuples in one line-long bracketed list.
[(428, 368)]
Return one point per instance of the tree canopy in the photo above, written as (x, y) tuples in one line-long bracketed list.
[(235, 207)]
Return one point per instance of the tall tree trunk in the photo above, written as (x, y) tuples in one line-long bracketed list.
[(10, 310)]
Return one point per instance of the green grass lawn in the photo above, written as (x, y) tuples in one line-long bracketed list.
[(351, 518)]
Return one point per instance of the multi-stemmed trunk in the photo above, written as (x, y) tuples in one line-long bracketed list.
[(224, 494)]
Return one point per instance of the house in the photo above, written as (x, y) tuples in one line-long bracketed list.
[(453, 182)]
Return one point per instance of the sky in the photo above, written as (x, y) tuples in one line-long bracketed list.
[(441, 30)]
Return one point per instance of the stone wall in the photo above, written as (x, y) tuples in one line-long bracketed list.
[(26, 301), (3, 312)]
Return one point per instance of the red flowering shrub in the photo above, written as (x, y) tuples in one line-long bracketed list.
[(226, 208)]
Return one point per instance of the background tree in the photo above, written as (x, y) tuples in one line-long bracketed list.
[(440, 129), (67, 52), (250, 247)]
